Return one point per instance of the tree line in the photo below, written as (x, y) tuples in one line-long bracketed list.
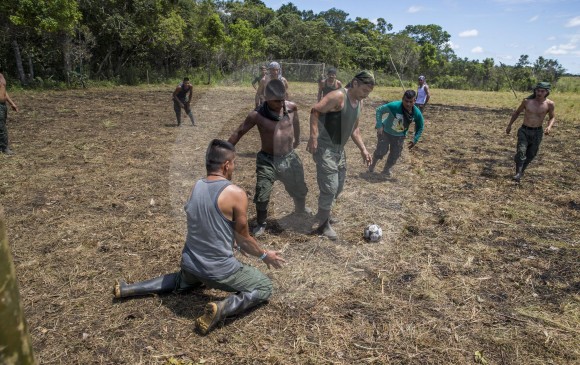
[(70, 42)]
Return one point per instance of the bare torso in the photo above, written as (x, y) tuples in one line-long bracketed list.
[(277, 136), (2, 89), (535, 112)]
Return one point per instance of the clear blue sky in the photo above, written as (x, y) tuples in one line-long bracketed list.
[(499, 29)]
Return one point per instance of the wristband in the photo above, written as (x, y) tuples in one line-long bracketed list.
[(261, 258)]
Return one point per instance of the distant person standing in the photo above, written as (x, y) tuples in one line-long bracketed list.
[(329, 84), (182, 100), (4, 115), (256, 83), (333, 121), (535, 108), (392, 130), (274, 72), (423, 94)]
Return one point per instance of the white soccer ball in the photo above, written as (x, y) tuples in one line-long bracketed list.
[(373, 233)]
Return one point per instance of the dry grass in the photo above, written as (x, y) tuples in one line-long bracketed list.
[(469, 262)]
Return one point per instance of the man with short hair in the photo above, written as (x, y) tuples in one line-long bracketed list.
[(279, 127), (333, 120), (535, 108), (182, 99), (4, 97), (216, 223), (392, 130), (329, 84), (423, 94), (274, 72)]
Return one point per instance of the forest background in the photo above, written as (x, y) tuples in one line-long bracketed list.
[(73, 43)]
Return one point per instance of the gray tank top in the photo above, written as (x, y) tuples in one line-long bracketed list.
[(208, 251)]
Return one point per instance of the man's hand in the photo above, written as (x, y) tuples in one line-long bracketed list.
[(273, 258), (367, 158), (411, 145), (547, 131), (312, 145), (296, 143), (379, 132), (508, 129)]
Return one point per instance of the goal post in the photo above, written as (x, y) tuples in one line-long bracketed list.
[(302, 71)]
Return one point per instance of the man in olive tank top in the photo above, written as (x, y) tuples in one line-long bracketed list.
[(333, 120), (217, 224)]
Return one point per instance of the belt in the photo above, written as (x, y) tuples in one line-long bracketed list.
[(277, 156), (531, 128)]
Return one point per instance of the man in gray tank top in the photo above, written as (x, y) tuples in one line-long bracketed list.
[(217, 222), (333, 120)]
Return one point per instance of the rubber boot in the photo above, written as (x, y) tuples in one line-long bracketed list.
[(260, 229), (162, 284), (325, 228), (387, 171), (300, 207), (519, 172), (214, 312)]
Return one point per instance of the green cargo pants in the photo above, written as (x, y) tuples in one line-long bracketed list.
[(330, 174)]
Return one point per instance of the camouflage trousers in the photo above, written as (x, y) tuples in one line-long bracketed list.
[(529, 140), (330, 175)]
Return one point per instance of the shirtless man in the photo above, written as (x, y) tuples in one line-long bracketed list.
[(4, 115), (536, 106), (277, 121), (182, 99), (274, 73)]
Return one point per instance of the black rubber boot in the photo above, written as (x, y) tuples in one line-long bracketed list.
[(300, 207), (162, 284), (214, 312), (325, 228), (519, 172), (260, 229)]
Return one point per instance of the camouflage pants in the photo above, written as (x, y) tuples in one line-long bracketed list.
[(330, 175), (288, 169), (529, 140)]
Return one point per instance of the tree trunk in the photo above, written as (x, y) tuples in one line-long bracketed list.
[(19, 62), (66, 56), (30, 69), (15, 346)]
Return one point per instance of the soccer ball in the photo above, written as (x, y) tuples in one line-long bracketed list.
[(373, 233)]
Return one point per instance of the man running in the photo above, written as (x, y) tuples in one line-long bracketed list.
[(279, 128), (535, 108), (333, 120), (392, 130), (216, 223), (329, 84)]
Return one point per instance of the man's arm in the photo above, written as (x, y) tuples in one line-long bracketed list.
[(246, 125), (428, 94), (12, 104), (320, 90), (551, 114), (175, 92), (515, 116), (331, 102), (261, 88), (379, 112), (190, 95), (419, 125), (235, 202), (357, 139)]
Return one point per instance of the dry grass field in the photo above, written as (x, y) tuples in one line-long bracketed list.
[(472, 268)]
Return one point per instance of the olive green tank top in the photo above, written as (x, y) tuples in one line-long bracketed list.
[(335, 128)]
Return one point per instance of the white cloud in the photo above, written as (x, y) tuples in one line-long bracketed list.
[(469, 33), (453, 45), (477, 49), (534, 18), (414, 9), (574, 22), (561, 49)]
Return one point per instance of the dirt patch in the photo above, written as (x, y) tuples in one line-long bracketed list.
[(469, 261)]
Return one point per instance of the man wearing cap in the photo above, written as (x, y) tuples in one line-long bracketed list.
[(279, 127), (536, 106), (423, 94), (274, 73), (333, 120), (329, 84), (392, 130)]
